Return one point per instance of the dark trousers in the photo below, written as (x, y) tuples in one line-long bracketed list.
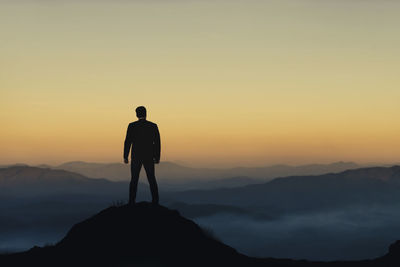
[(136, 165)]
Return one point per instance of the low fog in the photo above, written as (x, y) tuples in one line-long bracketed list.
[(351, 234)]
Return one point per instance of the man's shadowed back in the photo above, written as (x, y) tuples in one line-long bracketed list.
[(144, 139)]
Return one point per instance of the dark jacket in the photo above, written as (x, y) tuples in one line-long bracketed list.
[(144, 138)]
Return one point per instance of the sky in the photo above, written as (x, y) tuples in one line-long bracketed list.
[(228, 82)]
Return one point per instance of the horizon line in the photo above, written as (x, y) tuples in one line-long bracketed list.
[(188, 165)]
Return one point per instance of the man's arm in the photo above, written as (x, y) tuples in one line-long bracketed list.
[(127, 143), (157, 146)]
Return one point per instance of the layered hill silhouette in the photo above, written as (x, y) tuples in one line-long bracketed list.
[(172, 173), (313, 193), (148, 235), (34, 181), (365, 186)]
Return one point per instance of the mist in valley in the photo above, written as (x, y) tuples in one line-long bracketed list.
[(351, 234)]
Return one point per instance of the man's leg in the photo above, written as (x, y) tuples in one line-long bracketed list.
[(149, 167), (136, 165)]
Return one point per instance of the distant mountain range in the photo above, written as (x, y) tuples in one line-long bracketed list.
[(365, 186), (21, 184), (173, 176), (34, 181), (172, 171)]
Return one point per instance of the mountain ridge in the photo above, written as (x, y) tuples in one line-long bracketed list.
[(351, 187), (34, 181), (170, 171)]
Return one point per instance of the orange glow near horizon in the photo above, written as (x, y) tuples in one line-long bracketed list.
[(228, 82)]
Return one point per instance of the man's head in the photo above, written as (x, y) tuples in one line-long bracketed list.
[(141, 112)]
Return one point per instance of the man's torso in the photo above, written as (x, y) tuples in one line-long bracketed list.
[(143, 134)]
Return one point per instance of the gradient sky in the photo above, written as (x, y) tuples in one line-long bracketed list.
[(228, 82)]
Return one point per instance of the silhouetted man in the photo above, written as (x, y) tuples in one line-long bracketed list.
[(144, 138)]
